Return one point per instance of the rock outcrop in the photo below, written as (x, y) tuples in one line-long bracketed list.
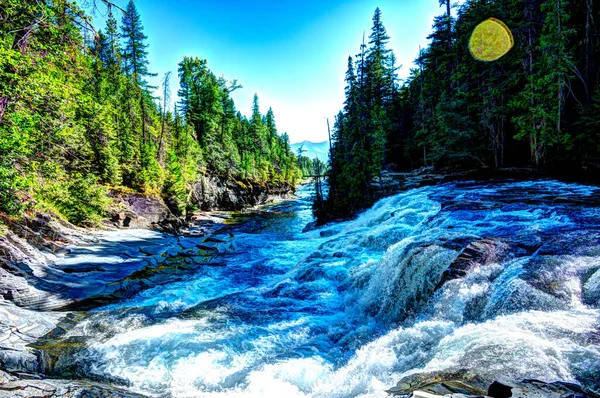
[(213, 193), (466, 384), (480, 252), (11, 387), (135, 210), (591, 289), (49, 267)]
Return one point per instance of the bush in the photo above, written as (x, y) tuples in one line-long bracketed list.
[(79, 199)]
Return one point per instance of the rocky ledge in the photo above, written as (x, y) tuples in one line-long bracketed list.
[(214, 193), (49, 268), (466, 384), (135, 210)]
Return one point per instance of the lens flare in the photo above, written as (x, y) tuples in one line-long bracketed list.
[(491, 40)]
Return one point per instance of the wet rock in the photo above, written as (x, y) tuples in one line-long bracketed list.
[(207, 248), (582, 243), (591, 290), (547, 274), (19, 328), (170, 225), (465, 384), (441, 383), (62, 388), (327, 233), (310, 226), (480, 252), (82, 269), (20, 361), (211, 239), (16, 286), (499, 390), (216, 264)]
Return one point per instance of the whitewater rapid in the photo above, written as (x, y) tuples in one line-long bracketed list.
[(348, 309)]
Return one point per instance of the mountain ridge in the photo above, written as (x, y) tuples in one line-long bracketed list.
[(313, 149)]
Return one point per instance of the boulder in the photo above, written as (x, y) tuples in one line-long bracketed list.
[(134, 210), (480, 252), (441, 383), (591, 290), (12, 388)]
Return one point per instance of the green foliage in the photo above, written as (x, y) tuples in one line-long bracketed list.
[(233, 146), (79, 199), (536, 106), (77, 117), (361, 130), (174, 186)]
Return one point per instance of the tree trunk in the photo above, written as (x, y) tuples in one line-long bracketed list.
[(22, 38), (3, 106), (143, 144), (533, 141), (588, 46)]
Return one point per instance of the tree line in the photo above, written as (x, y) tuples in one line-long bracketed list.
[(538, 106), (78, 117)]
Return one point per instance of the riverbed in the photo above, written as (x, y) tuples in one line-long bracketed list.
[(348, 309)]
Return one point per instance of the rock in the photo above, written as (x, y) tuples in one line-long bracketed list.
[(216, 264), (210, 239), (423, 394), (207, 248), (499, 390), (132, 210), (591, 289), (19, 328), (465, 384), (20, 361), (540, 389), (441, 383), (212, 193), (327, 233), (62, 388), (480, 252)]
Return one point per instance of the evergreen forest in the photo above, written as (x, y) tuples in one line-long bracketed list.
[(536, 107)]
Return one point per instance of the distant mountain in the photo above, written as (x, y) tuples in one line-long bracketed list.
[(313, 149)]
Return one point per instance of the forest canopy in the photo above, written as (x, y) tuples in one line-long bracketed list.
[(78, 117), (537, 106)]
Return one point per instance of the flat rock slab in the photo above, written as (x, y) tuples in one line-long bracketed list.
[(466, 384), (11, 387)]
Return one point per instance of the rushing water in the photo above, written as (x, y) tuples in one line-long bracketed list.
[(348, 309)]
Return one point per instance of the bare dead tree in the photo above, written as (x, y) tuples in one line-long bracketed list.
[(233, 86), (94, 5), (3, 106), (166, 100)]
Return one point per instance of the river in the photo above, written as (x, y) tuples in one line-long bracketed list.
[(350, 308)]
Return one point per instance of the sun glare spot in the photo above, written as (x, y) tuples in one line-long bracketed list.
[(491, 40)]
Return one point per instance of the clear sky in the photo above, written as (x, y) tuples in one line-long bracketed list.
[(292, 53)]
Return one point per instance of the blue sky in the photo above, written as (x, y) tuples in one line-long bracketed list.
[(292, 53)]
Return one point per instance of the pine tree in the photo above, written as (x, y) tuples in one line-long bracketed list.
[(113, 44), (135, 53), (135, 66)]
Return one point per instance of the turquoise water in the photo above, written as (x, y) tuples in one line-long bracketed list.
[(348, 309)]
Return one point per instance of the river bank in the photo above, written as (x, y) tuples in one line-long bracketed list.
[(51, 271)]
